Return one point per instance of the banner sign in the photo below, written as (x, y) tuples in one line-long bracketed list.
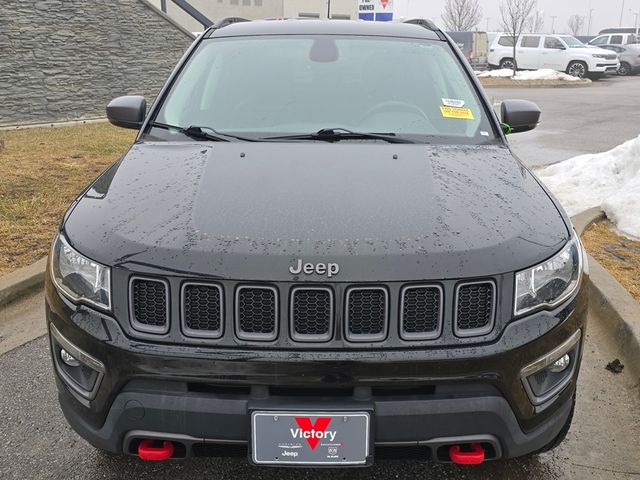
[(375, 10)]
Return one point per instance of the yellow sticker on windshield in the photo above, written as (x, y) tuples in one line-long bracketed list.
[(455, 112)]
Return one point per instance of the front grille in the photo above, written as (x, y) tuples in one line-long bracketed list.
[(149, 305), (475, 309), (421, 312), (202, 310), (311, 314), (366, 314), (256, 313)]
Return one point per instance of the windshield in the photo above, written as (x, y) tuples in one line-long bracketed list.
[(265, 86), (573, 42)]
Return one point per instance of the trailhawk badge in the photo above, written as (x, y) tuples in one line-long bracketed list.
[(328, 269)]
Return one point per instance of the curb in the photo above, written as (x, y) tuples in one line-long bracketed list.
[(19, 282), (611, 301), (525, 84)]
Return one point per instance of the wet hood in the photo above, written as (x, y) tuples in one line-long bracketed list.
[(249, 211)]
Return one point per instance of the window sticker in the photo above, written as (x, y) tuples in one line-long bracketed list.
[(452, 102), (460, 113)]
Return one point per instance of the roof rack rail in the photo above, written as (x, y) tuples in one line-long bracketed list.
[(423, 22), (225, 22)]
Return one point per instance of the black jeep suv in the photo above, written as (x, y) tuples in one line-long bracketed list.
[(320, 246)]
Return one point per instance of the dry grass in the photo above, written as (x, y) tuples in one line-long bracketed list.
[(41, 171), (617, 254)]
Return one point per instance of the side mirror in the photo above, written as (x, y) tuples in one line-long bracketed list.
[(520, 115), (127, 112)]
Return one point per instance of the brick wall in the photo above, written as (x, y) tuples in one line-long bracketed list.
[(65, 59)]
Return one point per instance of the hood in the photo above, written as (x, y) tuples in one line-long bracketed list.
[(249, 211)]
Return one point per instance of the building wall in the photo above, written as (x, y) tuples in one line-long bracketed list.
[(218, 9), (346, 8), (66, 59)]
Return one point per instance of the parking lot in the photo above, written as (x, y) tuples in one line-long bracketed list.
[(576, 120), (36, 442)]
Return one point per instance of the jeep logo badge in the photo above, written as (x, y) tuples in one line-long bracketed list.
[(328, 269)]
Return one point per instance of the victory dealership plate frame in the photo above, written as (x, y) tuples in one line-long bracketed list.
[(310, 438)]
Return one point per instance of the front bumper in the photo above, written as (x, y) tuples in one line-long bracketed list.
[(605, 67), (203, 396)]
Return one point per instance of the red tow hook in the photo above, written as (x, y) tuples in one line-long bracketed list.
[(159, 450), (473, 457)]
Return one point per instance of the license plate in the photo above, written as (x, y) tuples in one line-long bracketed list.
[(310, 438)]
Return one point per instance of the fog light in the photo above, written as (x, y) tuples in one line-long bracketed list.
[(561, 364), (551, 373), (68, 359)]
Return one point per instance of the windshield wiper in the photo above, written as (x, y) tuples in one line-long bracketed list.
[(337, 134), (202, 133)]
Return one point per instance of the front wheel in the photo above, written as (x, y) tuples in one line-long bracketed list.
[(507, 63), (577, 69), (624, 69)]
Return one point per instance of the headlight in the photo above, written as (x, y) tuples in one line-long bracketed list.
[(598, 55), (79, 278), (551, 282)]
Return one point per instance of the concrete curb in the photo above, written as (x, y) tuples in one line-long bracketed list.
[(611, 301), (16, 284)]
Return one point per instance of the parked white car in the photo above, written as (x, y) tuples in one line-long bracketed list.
[(558, 52)]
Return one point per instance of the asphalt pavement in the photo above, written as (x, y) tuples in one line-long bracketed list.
[(37, 443), (576, 120)]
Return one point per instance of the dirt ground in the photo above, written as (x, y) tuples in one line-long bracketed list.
[(619, 255), (41, 171)]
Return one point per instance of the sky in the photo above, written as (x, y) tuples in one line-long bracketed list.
[(606, 13)]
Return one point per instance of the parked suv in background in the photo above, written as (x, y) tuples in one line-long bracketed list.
[(629, 56), (558, 52), (309, 257), (614, 39)]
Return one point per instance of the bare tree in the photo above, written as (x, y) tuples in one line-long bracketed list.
[(461, 15), (575, 24), (515, 16), (537, 23)]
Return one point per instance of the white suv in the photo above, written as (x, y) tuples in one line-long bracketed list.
[(558, 52)]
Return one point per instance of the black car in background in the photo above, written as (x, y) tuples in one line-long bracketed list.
[(319, 247)]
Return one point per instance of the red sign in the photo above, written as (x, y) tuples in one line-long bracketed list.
[(384, 3), (313, 432)]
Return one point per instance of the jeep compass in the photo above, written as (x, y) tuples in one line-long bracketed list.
[(319, 249)]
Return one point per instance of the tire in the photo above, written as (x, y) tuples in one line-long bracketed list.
[(506, 63), (562, 434), (624, 69), (577, 69)]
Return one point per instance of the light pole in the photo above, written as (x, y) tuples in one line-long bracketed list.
[(553, 24), (328, 9), (621, 13), (590, 19)]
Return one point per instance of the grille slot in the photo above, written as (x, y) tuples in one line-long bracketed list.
[(149, 305), (421, 312), (475, 309), (311, 314), (202, 310), (256, 313), (366, 314)]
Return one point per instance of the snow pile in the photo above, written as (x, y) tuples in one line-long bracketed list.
[(610, 180), (542, 74)]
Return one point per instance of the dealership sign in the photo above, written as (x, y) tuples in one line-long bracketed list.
[(375, 10)]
